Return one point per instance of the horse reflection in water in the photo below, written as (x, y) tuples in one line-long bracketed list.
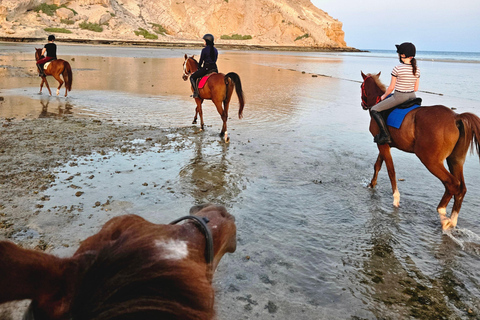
[(64, 108), (207, 176), (131, 269)]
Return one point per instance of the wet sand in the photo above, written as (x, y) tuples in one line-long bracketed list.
[(313, 242)]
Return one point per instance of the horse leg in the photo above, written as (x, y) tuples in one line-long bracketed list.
[(387, 157), (455, 166), (452, 188), (44, 79), (376, 169), (57, 77), (199, 111), (195, 118), (41, 85), (223, 112)]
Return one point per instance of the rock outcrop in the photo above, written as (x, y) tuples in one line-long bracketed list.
[(251, 22)]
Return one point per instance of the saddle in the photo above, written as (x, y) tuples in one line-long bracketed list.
[(395, 116)]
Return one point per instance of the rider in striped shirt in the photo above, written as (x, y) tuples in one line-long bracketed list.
[(405, 80)]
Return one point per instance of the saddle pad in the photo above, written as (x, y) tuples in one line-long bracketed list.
[(45, 66), (396, 117), (203, 81)]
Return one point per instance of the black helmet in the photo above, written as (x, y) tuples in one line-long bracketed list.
[(208, 37), (51, 37), (406, 48)]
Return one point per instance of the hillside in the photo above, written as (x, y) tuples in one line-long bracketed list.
[(248, 22)]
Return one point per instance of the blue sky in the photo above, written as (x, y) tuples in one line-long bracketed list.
[(432, 25)]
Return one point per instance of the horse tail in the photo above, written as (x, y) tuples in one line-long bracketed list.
[(471, 130), (238, 88), (68, 76)]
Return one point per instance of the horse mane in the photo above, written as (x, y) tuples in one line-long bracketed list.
[(379, 83), (129, 279), (194, 60)]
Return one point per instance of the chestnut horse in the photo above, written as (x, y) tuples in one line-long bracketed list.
[(131, 269), (434, 134), (219, 88), (56, 68)]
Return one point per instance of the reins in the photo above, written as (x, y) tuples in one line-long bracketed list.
[(202, 224)]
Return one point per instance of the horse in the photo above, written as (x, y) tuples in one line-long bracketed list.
[(435, 134), (130, 269), (56, 68), (218, 88)]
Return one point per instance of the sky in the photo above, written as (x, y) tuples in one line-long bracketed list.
[(432, 25)]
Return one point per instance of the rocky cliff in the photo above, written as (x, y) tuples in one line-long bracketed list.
[(250, 22)]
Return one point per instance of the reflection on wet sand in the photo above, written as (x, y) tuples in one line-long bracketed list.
[(63, 108), (207, 177)]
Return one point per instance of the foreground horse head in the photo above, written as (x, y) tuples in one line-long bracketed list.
[(435, 134), (218, 88), (56, 68), (131, 269)]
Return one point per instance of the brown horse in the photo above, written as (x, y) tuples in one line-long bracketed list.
[(131, 269), (434, 134), (56, 68), (219, 88)]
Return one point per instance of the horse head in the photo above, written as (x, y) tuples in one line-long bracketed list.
[(190, 65), (131, 268), (372, 90), (38, 53)]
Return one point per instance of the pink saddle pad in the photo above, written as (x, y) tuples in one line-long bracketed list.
[(202, 82)]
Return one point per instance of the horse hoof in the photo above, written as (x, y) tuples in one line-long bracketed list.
[(227, 139), (194, 122)]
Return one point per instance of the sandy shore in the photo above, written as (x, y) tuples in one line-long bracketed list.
[(180, 44)]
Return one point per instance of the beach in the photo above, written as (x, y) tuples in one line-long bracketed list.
[(313, 241)]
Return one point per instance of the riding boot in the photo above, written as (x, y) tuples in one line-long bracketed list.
[(41, 71), (384, 136), (195, 88)]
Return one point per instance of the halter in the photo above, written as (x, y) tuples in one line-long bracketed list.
[(202, 224), (364, 94)]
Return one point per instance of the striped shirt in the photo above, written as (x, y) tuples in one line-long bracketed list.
[(405, 78)]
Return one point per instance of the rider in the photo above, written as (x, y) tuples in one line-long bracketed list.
[(405, 80), (51, 50), (207, 63)]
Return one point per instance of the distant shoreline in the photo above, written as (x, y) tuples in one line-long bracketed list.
[(180, 43)]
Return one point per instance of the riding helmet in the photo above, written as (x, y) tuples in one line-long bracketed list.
[(208, 37), (51, 37), (406, 48)]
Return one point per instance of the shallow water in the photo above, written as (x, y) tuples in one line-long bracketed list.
[(314, 242)]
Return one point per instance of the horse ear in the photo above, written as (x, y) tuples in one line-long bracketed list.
[(26, 273), (378, 74), (363, 75), (186, 57)]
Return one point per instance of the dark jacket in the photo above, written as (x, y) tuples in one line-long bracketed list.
[(206, 60)]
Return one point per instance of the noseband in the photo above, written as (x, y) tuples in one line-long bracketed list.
[(202, 224)]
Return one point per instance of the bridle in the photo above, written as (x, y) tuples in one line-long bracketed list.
[(201, 222), (364, 95), (185, 73)]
